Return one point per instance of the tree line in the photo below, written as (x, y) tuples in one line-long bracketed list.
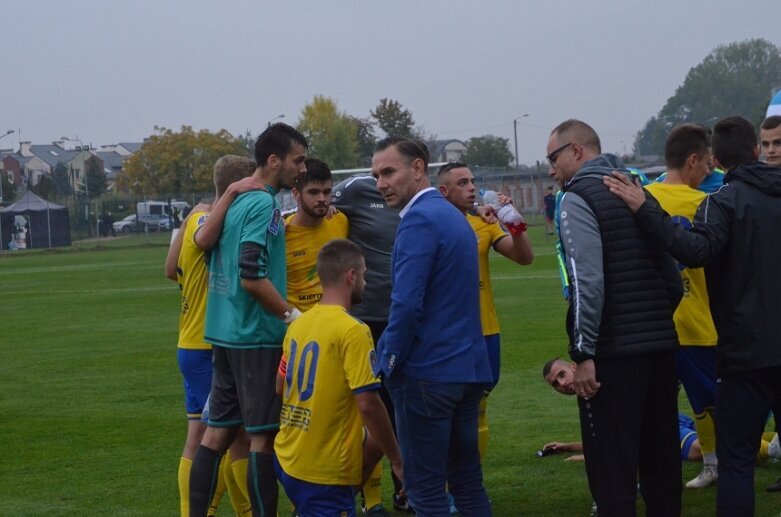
[(735, 79), (181, 161)]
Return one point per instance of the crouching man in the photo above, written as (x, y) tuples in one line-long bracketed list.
[(329, 393)]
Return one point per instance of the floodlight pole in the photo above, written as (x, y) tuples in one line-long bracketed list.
[(515, 134)]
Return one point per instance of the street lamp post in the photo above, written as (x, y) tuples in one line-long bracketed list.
[(281, 116), (3, 178), (515, 134)]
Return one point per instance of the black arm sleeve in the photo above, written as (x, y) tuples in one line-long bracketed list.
[(249, 260)]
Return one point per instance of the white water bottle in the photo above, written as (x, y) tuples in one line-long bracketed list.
[(511, 219), (491, 198)]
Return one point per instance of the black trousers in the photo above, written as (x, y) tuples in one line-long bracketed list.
[(742, 404), (630, 432)]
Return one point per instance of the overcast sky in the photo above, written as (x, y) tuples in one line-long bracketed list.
[(109, 71)]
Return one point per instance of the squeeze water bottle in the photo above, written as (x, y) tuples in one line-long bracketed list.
[(511, 219), (491, 198)]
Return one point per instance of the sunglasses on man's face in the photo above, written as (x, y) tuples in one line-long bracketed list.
[(553, 156)]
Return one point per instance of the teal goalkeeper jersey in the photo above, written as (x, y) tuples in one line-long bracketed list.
[(234, 319)]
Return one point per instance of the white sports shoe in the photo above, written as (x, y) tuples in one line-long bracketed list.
[(774, 449), (706, 477)]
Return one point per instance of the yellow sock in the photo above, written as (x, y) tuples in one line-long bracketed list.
[(184, 486), (219, 490), (372, 490), (236, 479), (706, 431), (762, 454), (482, 427)]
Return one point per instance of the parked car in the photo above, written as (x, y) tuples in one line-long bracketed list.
[(152, 223)]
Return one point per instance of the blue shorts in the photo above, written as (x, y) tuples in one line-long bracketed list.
[(697, 372), (687, 434), (196, 368), (494, 357), (313, 500)]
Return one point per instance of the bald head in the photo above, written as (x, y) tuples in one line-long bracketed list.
[(578, 132)]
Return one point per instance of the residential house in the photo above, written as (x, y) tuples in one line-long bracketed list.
[(446, 150)]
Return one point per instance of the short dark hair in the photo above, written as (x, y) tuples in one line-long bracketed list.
[(317, 171), (578, 132), (231, 168), (547, 368), (335, 259), (771, 122), (683, 141), (277, 139), (734, 141), (449, 166), (410, 148)]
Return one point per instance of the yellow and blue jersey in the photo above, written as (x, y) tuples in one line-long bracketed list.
[(321, 431), (487, 236), (692, 318), (303, 243), (193, 280)]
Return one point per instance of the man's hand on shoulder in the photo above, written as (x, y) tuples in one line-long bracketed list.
[(629, 190), (487, 214)]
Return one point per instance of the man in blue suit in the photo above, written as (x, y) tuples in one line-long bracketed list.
[(432, 354)]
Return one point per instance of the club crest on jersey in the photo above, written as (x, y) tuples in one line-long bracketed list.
[(202, 219), (276, 217)]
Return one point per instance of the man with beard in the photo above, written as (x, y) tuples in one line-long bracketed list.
[(246, 318), (330, 393), (307, 231)]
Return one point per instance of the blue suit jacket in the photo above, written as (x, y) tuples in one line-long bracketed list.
[(434, 328)]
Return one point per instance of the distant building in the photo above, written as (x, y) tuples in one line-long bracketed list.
[(446, 150)]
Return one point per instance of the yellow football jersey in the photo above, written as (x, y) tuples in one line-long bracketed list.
[(321, 431), (692, 318), (487, 236), (302, 246), (193, 281)]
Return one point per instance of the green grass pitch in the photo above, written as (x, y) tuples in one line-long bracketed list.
[(91, 397)]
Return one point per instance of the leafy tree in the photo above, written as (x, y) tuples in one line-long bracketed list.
[(8, 188), (487, 151), (366, 140), (734, 79), (94, 178), (43, 188), (393, 119), (171, 162), (249, 143), (61, 183), (332, 135)]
